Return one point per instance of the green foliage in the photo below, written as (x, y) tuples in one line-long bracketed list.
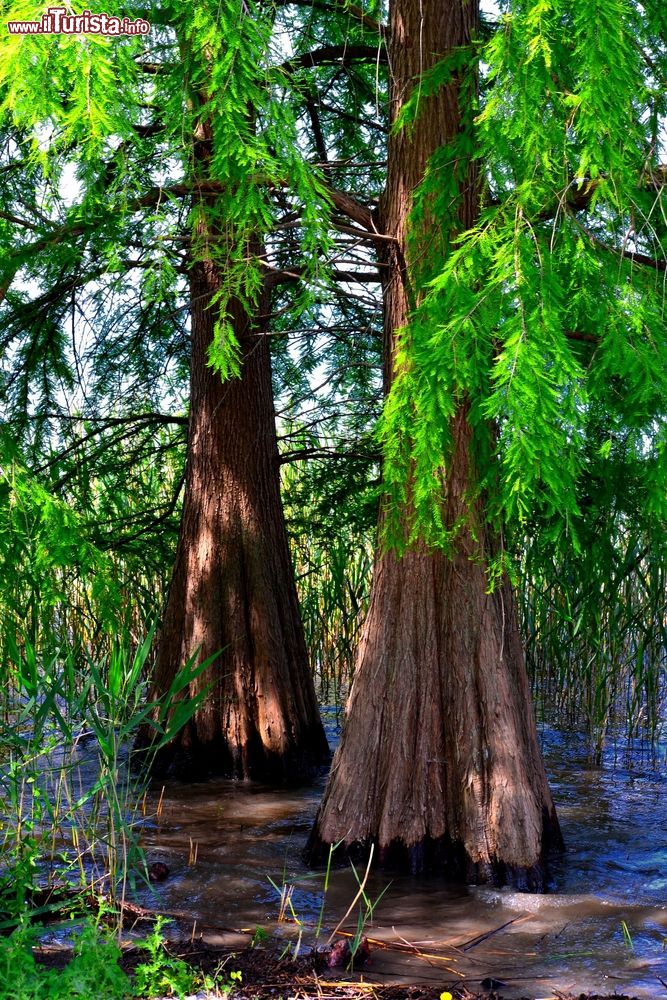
[(59, 576), (594, 625), (547, 318), (61, 830), (162, 974), (43, 539), (331, 513), (93, 971), (79, 87), (238, 105), (333, 578)]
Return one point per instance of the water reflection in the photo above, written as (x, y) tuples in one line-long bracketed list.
[(224, 842)]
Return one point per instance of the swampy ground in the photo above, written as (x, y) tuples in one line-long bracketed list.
[(234, 896), (234, 857), (262, 974)]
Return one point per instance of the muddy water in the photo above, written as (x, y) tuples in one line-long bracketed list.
[(226, 844)]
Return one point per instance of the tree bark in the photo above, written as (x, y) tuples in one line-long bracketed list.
[(233, 592), (439, 765)]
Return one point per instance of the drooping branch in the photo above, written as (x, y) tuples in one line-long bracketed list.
[(141, 422), (334, 55), (634, 256)]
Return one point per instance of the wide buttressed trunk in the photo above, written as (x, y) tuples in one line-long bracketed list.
[(439, 765), (232, 591)]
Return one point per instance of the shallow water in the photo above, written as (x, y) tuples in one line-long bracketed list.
[(224, 843)]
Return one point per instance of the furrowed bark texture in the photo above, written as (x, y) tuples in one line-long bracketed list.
[(233, 589), (439, 764)]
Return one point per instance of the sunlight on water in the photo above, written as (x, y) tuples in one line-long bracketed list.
[(613, 874)]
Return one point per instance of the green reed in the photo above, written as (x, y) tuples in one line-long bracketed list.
[(63, 828), (72, 574), (595, 629), (333, 581)]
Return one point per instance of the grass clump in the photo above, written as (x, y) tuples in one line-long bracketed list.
[(71, 784)]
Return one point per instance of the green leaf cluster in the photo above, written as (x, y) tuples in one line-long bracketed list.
[(546, 320)]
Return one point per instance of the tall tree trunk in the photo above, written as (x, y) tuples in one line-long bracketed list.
[(232, 590), (439, 765)]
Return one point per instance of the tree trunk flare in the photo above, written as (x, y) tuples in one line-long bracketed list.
[(439, 765), (232, 591)]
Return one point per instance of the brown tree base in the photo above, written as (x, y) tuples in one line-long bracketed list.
[(438, 857), (199, 762)]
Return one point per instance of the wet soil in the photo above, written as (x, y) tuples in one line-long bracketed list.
[(266, 975)]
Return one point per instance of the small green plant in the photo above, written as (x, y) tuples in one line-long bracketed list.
[(163, 974), (627, 937), (260, 937), (93, 971), (233, 980), (17, 965)]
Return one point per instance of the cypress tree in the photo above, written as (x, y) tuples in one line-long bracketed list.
[(522, 293)]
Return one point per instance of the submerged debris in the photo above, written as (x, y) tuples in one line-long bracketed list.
[(341, 955), (158, 871)]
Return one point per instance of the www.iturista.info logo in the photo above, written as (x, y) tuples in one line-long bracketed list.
[(56, 21)]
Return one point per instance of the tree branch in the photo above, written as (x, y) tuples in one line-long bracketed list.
[(589, 338), (353, 209), (142, 422), (633, 256), (118, 542), (344, 203), (334, 55), (276, 276), (309, 454)]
